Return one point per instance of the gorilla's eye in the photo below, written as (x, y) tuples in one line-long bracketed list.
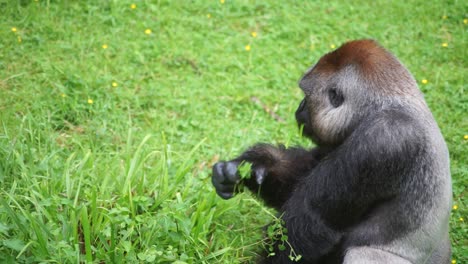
[(336, 98)]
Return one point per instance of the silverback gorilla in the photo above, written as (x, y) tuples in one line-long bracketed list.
[(377, 188)]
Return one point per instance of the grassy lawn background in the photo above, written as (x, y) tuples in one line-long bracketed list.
[(111, 116)]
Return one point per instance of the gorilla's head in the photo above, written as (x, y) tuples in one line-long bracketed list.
[(345, 86), (327, 110)]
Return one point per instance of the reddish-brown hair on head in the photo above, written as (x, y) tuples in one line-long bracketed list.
[(366, 54), (372, 62)]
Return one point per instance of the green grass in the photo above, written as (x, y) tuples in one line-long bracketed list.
[(127, 178)]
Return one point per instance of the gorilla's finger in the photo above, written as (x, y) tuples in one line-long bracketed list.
[(230, 172), (260, 174), (225, 187), (218, 173), (225, 195)]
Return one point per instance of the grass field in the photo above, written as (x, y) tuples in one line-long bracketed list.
[(113, 112)]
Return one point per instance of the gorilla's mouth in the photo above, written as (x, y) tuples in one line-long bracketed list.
[(302, 118), (306, 130)]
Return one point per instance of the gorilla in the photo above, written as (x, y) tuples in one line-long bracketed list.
[(377, 188)]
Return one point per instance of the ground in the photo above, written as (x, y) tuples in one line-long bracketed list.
[(112, 113)]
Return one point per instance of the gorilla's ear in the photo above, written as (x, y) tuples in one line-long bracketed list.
[(335, 96)]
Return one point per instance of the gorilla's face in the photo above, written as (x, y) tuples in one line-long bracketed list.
[(326, 112)]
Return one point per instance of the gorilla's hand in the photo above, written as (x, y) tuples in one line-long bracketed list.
[(226, 177), (267, 171)]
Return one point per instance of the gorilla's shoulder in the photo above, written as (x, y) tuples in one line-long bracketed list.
[(392, 133)]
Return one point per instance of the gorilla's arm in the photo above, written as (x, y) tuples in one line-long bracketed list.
[(364, 178), (275, 171)]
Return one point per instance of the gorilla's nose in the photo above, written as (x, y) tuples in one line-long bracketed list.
[(301, 112), (301, 106)]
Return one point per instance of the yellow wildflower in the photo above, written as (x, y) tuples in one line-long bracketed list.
[(133, 6), (332, 46), (253, 34), (465, 137), (114, 84), (424, 81), (461, 219), (465, 21), (14, 29), (63, 95), (454, 261), (247, 48), (455, 207), (221, 1), (208, 15), (148, 31), (445, 44), (90, 101), (444, 17), (104, 46)]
